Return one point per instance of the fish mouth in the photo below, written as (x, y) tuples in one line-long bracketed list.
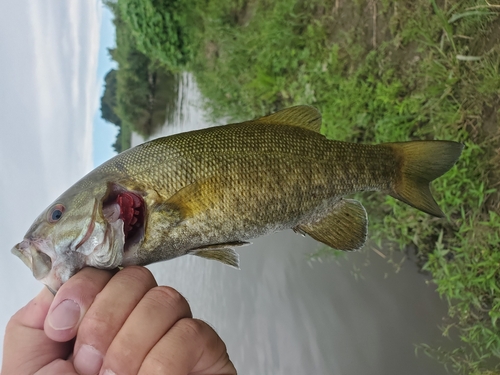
[(37, 260), (39, 256)]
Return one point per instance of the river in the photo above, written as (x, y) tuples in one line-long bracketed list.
[(284, 314)]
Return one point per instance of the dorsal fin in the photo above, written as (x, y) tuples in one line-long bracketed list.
[(303, 116)]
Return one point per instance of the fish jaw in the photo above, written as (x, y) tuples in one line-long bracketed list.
[(100, 245), (40, 257), (38, 262)]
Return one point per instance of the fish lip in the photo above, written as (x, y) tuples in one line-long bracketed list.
[(18, 251), (91, 226), (37, 260)]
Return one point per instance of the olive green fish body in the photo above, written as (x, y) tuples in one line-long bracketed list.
[(237, 182), (208, 191)]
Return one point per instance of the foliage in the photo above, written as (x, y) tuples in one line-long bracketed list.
[(379, 71), (108, 100), (141, 94), (160, 29)]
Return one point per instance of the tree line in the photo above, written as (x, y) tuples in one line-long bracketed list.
[(141, 94)]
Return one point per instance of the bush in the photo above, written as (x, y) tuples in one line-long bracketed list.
[(160, 29)]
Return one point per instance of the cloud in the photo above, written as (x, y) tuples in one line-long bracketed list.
[(66, 41), (48, 98)]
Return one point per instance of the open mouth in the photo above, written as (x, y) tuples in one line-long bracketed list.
[(128, 206), (39, 262)]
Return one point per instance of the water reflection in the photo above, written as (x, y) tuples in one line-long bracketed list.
[(281, 314)]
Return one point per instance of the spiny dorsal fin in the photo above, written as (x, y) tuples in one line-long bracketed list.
[(303, 116), (343, 228), (222, 252)]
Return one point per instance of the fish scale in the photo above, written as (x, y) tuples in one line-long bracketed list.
[(166, 167), (277, 167)]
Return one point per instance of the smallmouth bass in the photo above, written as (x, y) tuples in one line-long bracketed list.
[(208, 191)]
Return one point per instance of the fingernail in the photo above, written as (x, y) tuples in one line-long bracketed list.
[(88, 360), (65, 316), (108, 372)]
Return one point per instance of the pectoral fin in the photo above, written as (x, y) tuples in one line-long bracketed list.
[(193, 199), (223, 252), (344, 228)]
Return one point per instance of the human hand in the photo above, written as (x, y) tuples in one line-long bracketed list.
[(120, 322)]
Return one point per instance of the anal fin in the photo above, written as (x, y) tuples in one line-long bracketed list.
[(344, 228), (223, 252)]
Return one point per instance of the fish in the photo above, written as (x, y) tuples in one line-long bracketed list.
[(209, 191)]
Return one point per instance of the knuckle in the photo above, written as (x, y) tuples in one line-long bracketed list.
[(167, 297), (191, 328), (138, 274), (210, 336), (156, 364)]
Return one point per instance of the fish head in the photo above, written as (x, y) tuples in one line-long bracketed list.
[(83, 227)]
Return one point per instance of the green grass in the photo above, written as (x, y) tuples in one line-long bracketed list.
[(433, 77), (379, 71)]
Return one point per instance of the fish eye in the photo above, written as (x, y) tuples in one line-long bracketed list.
[(56, 213)]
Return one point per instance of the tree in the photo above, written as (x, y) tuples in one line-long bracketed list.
[(108, 99)]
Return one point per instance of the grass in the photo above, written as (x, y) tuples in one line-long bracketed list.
[(432, 73), (383, 71)]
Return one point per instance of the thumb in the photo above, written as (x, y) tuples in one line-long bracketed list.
[(26, 347)]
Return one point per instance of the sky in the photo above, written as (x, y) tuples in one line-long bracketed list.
[(104, 134), (53, 57)]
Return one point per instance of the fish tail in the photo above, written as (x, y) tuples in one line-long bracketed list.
[(421, 162)]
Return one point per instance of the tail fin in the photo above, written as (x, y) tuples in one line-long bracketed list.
[(420, 162)]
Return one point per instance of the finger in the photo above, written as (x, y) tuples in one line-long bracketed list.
[(59, 367), (72, 302), (27, 348), (190, 347), (155, 314), (107, 315)]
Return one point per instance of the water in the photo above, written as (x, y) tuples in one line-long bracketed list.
[(283, 314)]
